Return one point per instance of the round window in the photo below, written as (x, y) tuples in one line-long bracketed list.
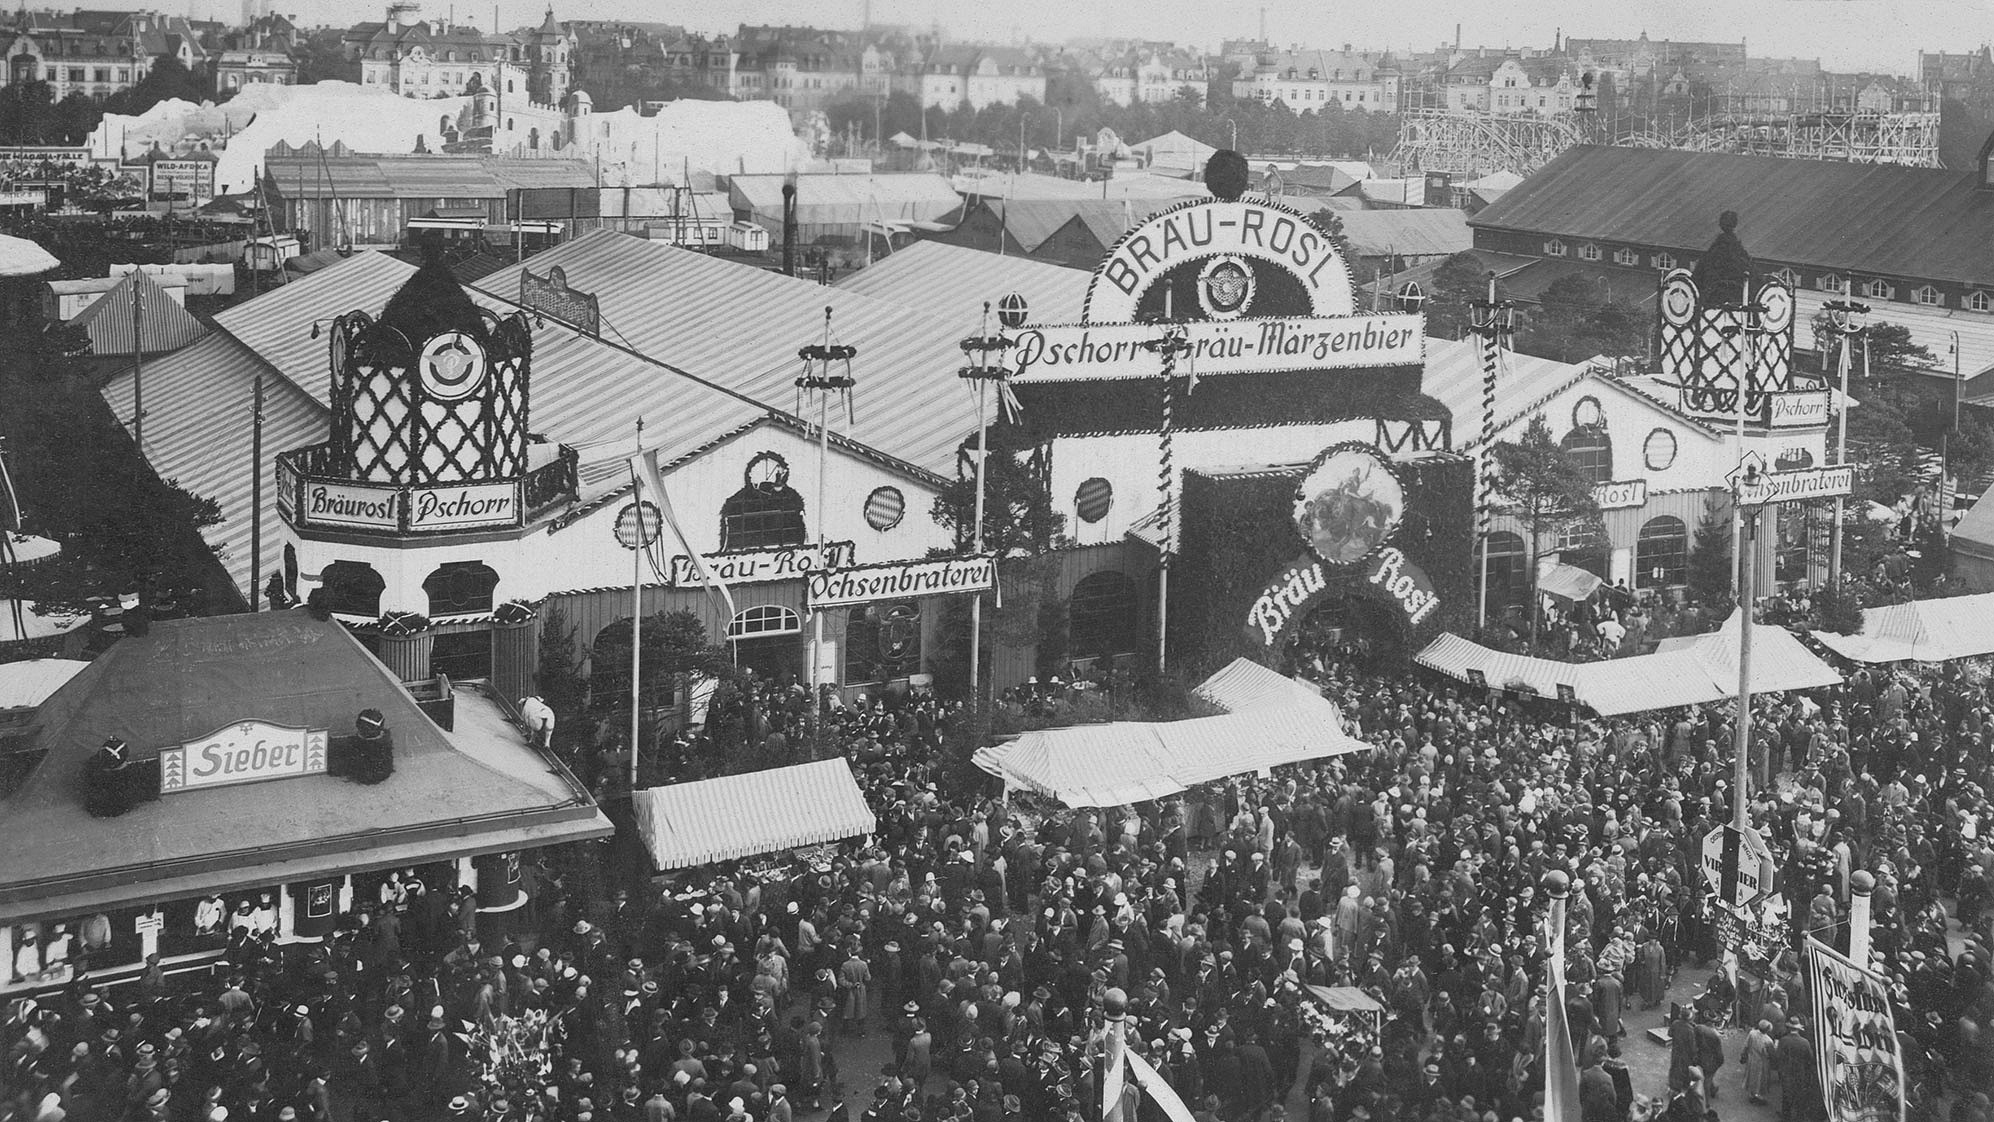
[(1092, 500), (1660, 450), (884, 508)]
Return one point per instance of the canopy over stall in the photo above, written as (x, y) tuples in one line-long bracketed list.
[(1266, 724), (1693, 673), (735, 816), (1920, 631)]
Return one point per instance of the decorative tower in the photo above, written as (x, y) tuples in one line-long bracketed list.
[(1724, 327), (552, 50), (416, 507)]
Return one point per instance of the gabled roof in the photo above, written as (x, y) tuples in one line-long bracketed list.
[(1865, 219), (163, 324), (1414, 232)]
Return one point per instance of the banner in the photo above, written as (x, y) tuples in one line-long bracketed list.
[(1862, 1075)]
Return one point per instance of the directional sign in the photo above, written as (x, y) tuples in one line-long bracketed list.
[(1787, 486), (1738, 864)]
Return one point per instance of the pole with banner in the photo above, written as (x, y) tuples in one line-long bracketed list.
[(1170, 345), (985, 354), (1561, 1069), (637, 526), (1492, 321), (827, 370), (1856, 1047)]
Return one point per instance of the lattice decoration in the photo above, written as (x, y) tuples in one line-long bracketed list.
[(1706, 351), (450, 410)]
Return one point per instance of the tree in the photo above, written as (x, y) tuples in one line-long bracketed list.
[(1546, 490), (1710, 555), (1457, 284), (1018, 515), (322, 58), (1577, 319)]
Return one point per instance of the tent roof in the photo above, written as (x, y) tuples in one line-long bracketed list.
[(30, 682), (735, 816), (186, 678), (1920, 631), (1703, 671), (952, 283), (164, 324), (1137, 761)]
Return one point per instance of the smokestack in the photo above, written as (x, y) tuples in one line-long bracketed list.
[(1263, 23), (789, 225), (1457, 36)]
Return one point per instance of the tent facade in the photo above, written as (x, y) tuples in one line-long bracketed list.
[(735, 816)]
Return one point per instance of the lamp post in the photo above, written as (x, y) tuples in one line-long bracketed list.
[(1747, 480), (981, 370), (1492, 321), (1842, 321)]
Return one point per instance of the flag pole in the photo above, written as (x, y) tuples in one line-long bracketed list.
[(636, 617), (1561, 1084)]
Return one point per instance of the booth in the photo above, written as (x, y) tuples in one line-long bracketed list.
[(736, 816)]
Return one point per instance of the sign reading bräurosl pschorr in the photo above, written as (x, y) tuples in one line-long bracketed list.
[(902, 580)]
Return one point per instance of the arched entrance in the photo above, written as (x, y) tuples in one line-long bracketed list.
[(1348, 629), (767, 639)]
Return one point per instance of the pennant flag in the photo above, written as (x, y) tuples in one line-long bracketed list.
[(1156, 1087), (1561, 1069), (651, 487)]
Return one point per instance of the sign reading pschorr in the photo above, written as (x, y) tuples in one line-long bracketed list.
[(1089, 352), (901, 580), (463, 506), (246, 752), (759, 566)]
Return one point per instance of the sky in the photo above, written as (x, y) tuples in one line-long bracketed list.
[(1880, 35)]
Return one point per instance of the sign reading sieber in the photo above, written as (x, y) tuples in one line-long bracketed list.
[(1086, 352)]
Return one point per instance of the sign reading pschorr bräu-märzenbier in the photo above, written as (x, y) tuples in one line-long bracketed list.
[(902, 580), (759, 566), (245, 752), (1084, 352)]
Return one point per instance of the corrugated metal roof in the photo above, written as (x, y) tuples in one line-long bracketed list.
[(163, 324), (840, 199), (1418, 232), (736, 816), (278, 324), (1454, 377), (739, 327), (952, 283), (199, 433), (1866, 219), (420, 177), (1932, 328)]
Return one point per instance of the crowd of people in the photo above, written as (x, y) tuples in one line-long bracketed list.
[(978, 940)]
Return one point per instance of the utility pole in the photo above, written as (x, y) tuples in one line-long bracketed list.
[(985, 354), (1842, 321), (256, 493), (138, 361)]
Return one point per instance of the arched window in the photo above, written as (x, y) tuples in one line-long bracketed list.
[(882, 642), (764, 620), (1588, 251), (1665, 261), (1589, 447), (460, 587), (1554, 248), (1661, 554), (1979, 302), (1507, 587), (609, 666), (1625, 256), (353, 588), (766, 512), (1878, 289), (1102, 615)]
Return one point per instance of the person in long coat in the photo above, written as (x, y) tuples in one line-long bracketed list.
[(1682, 1050), (1606, 1005), (1654, 972), (1757, 1058), (1799, 1078), (854, 979)]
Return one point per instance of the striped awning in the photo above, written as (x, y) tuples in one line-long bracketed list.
[(737, 816), (1920, 631)]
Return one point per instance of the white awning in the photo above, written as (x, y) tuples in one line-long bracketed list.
[(1920, 631), (735, 816)]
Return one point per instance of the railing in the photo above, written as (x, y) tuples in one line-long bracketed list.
[(312, 492)]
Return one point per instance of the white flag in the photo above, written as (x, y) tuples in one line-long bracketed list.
[(651, 487)]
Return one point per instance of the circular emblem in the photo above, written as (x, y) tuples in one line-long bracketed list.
[(1678, 299), (1225, 287), (452, 366), (1092, 500), (1348, 503), (1012, 310), (638, 524), (884, 508), (1775, 309)]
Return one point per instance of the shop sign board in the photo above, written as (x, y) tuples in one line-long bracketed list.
[(195, 177), (1620, 496), (900, 580), (1105, 352), (463, 506), (1304, 582), (245, 752), (351, 504), (1798, 409), (760, 566), (1220, 241), (1789, 486), (1748, 863), (287, 489)]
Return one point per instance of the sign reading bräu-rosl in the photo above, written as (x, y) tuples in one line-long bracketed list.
[(1211, 232), (245, 752), (902, 580), (759, 566), (1087, 352), (1297, 589)]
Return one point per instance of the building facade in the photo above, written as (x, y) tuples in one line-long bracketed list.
[(1311, 80), (436, 58), (95, 53)]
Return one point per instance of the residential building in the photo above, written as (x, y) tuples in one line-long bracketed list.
[(982, 76), (1310, 80), (1651, 60), (1151, 75), (95, 53), (436, 58), (1544, 86), (1966, 76), (236, 69)]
